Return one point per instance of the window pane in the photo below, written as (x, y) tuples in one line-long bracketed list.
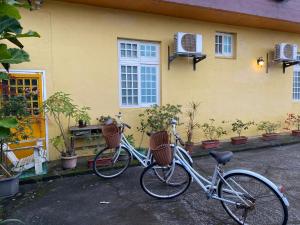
[(129, 85), (148, 83)]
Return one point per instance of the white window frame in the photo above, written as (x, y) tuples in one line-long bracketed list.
[(139, 61), (296, 70), (223, 54)]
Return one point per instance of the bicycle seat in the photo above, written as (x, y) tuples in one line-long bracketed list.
[(221, 157)]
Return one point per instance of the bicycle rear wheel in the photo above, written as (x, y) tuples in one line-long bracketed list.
[(264, 205), (165, 182), (110, 163)]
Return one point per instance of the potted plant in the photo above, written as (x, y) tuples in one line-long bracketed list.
[(14, 126), (293, 120), (191, 125), (269, 128), (62, 109), (238, 126), (212, 134), (82, 117)]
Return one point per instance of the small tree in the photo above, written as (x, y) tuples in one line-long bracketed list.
[(268, 127), (61, 107), (192, 125), (293, 120), (212, 132), (238, 126)]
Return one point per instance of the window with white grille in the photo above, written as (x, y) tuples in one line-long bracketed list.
[(296, 81), (139, 73), (224, 44)]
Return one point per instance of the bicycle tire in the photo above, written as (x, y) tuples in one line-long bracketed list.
[(160, 186), (248, 197), (104, 159)]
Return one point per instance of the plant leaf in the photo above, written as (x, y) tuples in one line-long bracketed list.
[(16, 56), (16, 42), (8, 24), (28, 34), (9, 10), (3, 76), (8, 123), (4, 132)]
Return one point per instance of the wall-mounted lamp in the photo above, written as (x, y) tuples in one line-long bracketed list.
[(260, 61)]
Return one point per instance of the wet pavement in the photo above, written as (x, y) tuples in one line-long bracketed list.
[(89, 200)]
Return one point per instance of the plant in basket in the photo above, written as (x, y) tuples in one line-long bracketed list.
[(191, 125), (293, 123), (238, 126), (212, 134), (106, 120), (157, 118), (269, 129)]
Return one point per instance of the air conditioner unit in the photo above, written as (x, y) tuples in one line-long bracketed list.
[(285, 52), (187, 43)]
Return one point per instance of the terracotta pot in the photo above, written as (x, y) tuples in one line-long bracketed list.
[(9, 186), (69, 162), (100, 162), (210, 144), (239, 140), (296, 133), (189, 146), (270, 137)]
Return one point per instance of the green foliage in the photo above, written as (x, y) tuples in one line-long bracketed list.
[(130, 139), (293, 120), (192, 125), (157, 118), (238, 126), (211, 131), (15, 106), (11, 31), (82, 114), (268, 127), (61, 107)]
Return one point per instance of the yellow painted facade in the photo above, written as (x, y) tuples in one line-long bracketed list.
[(78, 51)]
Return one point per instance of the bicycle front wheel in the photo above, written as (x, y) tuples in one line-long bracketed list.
[(165, 182), (110, 163), (257, 203)]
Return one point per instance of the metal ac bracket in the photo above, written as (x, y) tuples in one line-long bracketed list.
[(196, 58)]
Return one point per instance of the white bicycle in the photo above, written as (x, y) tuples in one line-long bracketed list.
[(110, 163), (249, 198)]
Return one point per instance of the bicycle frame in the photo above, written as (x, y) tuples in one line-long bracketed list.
[(145, 160)]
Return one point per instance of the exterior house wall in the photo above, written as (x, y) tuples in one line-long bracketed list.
[(78, 50)]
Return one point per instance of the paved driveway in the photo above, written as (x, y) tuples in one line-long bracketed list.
[(88, 200)]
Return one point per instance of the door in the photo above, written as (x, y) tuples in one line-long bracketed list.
[(30, 86)]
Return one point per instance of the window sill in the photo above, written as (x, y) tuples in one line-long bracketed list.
[(224, 57)]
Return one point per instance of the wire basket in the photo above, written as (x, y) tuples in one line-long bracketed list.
[(160, 148), (111, 135)]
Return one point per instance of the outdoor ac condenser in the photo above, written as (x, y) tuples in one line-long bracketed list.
[(285, 52), (187, 43)]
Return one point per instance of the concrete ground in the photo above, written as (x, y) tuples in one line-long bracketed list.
[(89, 200)]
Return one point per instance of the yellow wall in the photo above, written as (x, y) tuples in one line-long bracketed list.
[(78, 51)]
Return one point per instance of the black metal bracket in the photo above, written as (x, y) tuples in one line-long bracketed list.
[(285, 64), (196, 58), (288, 64)]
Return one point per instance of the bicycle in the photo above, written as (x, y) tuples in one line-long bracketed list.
[(110, 163), (242, 193)]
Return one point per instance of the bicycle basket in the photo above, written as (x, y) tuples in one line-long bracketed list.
[(160, 148), (111, 135)]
